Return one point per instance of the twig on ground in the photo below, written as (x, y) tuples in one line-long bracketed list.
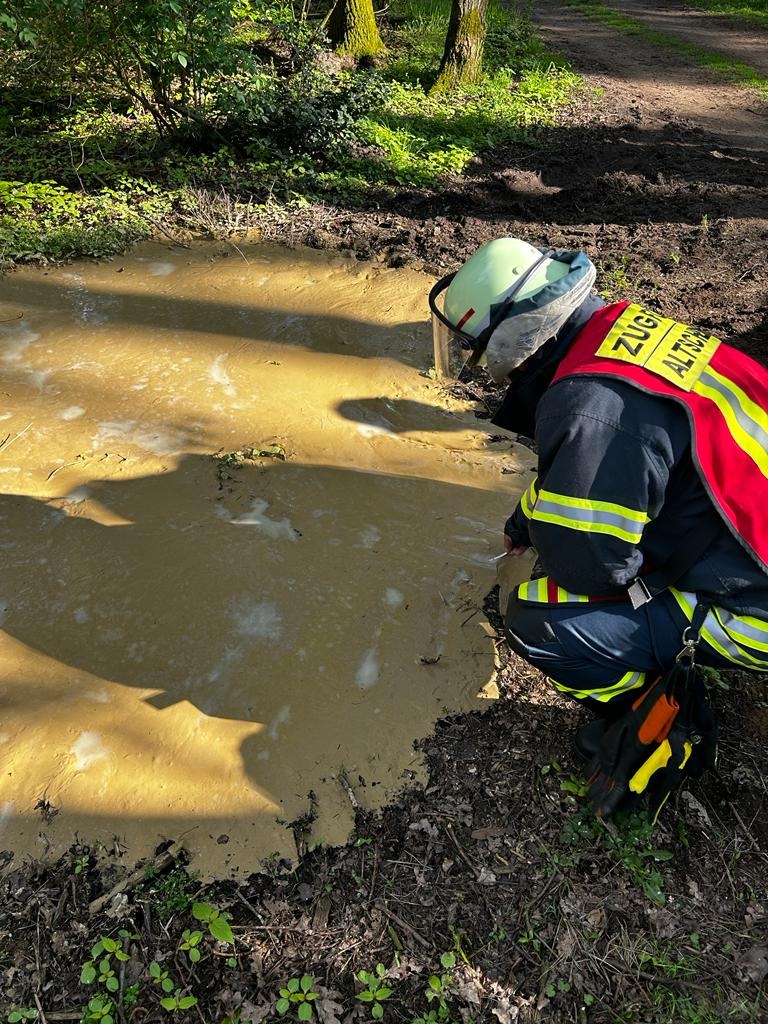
[(747, 832), (345, 785), (40, 1010), (166, 232), (404, 925), (8, 440), (472, 867), (165, 860)]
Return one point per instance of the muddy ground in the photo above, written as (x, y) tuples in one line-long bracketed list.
[(659, 172)]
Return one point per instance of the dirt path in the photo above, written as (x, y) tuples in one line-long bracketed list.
[(658, 84), (736, 39)]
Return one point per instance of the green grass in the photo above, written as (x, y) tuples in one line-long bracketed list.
[(756, 12), (87, 176), (735, 71)]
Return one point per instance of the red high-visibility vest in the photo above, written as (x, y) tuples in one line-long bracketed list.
[(724, 392)]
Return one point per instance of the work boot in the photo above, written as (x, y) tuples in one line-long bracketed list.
[(587, 739)]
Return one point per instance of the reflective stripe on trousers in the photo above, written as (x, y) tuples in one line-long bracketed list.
[(607, 651)]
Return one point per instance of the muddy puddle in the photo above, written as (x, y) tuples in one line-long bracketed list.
[(197, 643)]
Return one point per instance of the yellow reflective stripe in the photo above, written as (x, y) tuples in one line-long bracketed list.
[(639, 517), (534, 590), (629, 681), (715, 634), (586, 527), (745, 629), (750, 411), (538, 591), (528, 500), (590, 516)]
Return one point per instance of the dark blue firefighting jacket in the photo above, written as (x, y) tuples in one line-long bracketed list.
[(609, 444)]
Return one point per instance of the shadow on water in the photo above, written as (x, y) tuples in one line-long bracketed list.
[(398, 415), (259, 601), (249, 319)]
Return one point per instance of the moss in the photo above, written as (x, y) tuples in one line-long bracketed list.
[(462, 63), (353, 30)]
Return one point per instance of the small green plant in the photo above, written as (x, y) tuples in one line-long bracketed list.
[(100, 968), (629, 841), (616, 281), (21, 1014), (657, 957), (190, 940), (440, 986), (375, 991), (81, 863), (554, 988), (575, 785), (99, 1010), (161, 977), (530, 937), (171, 892), (297, 992), (130, 996), (217, 921), (176, 1001)]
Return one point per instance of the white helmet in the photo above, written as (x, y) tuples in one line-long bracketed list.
[(507, 300)]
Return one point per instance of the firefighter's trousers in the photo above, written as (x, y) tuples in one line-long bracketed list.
[(604, 654)]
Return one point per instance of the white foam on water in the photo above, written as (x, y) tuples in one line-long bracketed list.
[(160, 268), (15, 339), (87, 750), (368, 671), (97, 696), (156, 439), (371, 430), (282, 717), (277, 529), (219, 375), (6, 810), (258, 619), (79, 494), (6, 416), (370, 536), (72, 412), (393, 597)]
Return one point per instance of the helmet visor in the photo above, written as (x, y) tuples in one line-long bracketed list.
[(454, 348)]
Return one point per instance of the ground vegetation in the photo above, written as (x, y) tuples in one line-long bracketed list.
[(113, 128)]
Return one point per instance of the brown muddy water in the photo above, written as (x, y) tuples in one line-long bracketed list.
[(190, 649)]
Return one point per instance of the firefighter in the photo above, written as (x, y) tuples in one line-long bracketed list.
[(647, 510)]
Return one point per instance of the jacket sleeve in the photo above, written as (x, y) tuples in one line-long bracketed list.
[(599, 485), (517, 526)]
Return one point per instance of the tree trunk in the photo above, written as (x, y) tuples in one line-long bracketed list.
[(462, 62), (352, 28)]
